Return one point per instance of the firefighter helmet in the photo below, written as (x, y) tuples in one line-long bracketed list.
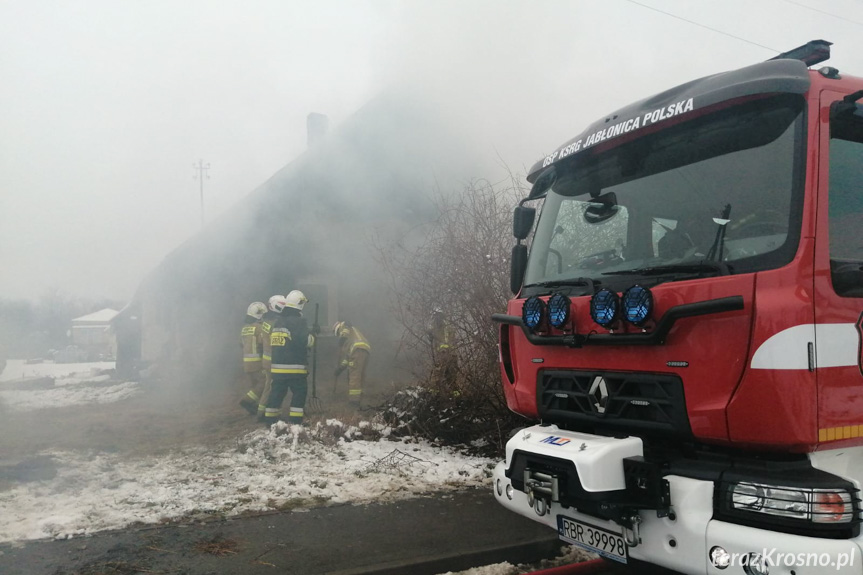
[(257, 310), (340, 329), (277, 303), (296, 299)]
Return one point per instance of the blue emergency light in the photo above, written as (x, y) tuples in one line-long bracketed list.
[(604, 307), (531, 313)]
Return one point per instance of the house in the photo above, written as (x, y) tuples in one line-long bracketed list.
[(312, 226), (94, 336)]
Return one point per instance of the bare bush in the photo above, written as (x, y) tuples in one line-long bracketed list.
[(461, 265)]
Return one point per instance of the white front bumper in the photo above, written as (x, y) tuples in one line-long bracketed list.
[(681, 543)]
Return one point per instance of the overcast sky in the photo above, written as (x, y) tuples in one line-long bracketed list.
[(106, 104)]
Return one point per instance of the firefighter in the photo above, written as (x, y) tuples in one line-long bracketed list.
[(290, 341), (276, 302), (252, 343), (354, 352), (442, 338)]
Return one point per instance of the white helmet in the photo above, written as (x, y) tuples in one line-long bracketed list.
[(296, 299), (257, 309), (277, 303)]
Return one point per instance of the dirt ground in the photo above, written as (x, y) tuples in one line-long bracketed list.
[(169, 413), (173, 412)]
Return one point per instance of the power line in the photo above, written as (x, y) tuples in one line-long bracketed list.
[(843, 18), (703, 26)]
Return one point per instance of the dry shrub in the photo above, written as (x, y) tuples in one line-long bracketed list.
[(461, 265)]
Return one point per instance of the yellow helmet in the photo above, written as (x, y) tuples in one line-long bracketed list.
[(340, 329)]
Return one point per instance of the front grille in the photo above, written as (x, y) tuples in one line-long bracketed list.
[(635, 402)]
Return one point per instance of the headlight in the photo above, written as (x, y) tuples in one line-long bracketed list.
[(531, 313), (558, 310), (817, 505), (772, 500)]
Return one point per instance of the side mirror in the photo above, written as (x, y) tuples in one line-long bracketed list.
[(846, 118), (522, 221), (518, 265)]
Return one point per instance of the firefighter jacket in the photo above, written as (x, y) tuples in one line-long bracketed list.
[(266, 328), (251, 337), (442, 336), (354, 341), (289, 343)]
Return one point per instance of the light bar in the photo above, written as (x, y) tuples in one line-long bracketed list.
[(637, 305), (604, 307), (558, 310), (531, 313)]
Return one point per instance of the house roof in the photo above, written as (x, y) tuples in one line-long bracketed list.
[(101, 316)]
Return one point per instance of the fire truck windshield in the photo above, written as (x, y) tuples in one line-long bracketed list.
[(718, 194)]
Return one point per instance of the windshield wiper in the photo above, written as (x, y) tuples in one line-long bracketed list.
[(722, 269), (587, 282)]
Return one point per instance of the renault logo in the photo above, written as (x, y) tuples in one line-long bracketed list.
[(598, 393)]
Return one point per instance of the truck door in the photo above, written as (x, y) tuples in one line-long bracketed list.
[(839, 272)]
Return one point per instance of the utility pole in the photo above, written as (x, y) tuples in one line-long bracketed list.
[(201, 168)]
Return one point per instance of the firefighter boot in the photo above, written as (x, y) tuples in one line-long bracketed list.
[(249, 405), (354, 396)]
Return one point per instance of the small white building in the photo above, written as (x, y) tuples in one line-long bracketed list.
[(94, 335)]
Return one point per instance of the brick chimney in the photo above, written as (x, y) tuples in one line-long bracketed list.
[(316, 128)]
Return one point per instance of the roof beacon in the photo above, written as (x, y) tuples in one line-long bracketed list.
[(811, 53)]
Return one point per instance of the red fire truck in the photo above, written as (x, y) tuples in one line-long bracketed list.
[(687, 327)]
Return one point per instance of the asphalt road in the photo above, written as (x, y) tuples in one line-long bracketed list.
[(418, 536)]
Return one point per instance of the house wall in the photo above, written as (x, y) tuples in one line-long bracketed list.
[(98, 340), (315, 224)]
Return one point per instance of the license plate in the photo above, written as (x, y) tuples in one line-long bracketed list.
[(601, 541)]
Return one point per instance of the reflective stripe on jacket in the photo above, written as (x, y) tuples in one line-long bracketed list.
[(251, 338), (350, 344), (266, 328), (289, 341), (443, 336), (288, 368)]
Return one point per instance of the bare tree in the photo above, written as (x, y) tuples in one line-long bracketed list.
[(459, 264)]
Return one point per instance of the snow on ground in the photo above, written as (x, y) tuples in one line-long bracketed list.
[(569, 556), (281, 468), (22, 400), (74, 384), (18, 369)]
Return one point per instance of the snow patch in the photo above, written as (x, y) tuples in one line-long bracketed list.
[(282, 468)]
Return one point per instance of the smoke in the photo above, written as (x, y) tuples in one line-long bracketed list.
[(107, 105)]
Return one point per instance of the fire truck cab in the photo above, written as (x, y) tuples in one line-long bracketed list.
[(687, 327)]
